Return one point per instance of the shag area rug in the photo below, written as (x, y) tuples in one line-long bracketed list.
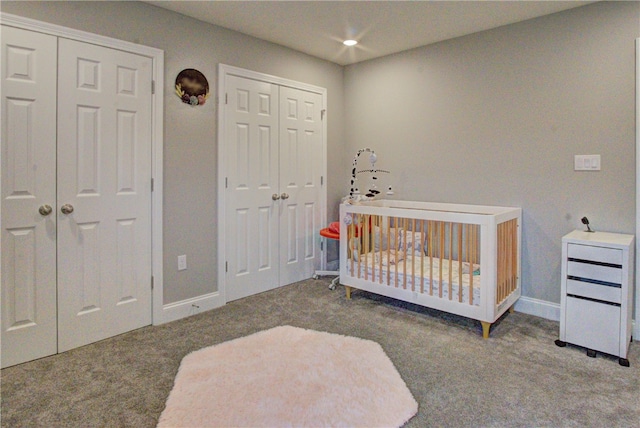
[(288, 376)]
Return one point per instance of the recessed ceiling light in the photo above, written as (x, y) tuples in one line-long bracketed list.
[(350, 42)]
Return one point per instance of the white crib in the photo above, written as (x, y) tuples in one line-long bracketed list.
[(462, 259)]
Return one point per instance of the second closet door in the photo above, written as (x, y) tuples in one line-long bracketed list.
[(274, 154)]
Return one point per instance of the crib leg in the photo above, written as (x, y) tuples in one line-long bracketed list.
[(347, 289), (485, 329), (511, 309)]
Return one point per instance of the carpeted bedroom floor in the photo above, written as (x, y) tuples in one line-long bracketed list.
[(516, 378)]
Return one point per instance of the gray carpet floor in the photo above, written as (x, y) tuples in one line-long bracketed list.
[(516, 378)]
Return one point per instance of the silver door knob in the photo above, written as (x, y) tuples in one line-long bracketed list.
[(284, 196), (66, 209), (275, 196), (45, 210)]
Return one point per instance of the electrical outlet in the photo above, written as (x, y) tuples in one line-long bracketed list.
[(182, 262)]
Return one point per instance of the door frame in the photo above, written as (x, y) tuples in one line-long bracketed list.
[(157, 136), (636, 328), (225, 70)]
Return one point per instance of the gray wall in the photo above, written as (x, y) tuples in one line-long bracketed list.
[(495, 118), (190, 141), (492, 118)]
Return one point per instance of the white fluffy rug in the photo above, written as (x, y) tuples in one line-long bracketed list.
[(289, 377)]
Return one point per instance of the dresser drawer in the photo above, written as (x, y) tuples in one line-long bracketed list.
[(593, 325), (594, 272), (595, 254), (594, 291)]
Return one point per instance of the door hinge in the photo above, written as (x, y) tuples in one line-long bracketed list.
[(226, 266), (322, 112), (226, 98), (152, 282), (226, 182), (322, 180), (152, 184), (153, 86), (321, 245)]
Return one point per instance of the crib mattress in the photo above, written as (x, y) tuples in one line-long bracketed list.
[(373, 269)]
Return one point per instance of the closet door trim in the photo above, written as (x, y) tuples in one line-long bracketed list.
[(228, 70), (157, 57)]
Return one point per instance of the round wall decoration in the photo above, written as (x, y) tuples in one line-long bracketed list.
[(192, 87)]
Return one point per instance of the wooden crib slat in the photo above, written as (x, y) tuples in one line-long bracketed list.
[(471, 260), (450, 260), (430, 246), (365, 246), (389, 219), (351, 236), (459, 252), (404, 259), (422, 251), (514, 254), (441, 250), (413, 258), (507, 267), (502, 262)]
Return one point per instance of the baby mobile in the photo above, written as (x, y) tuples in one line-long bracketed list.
[(354, 193), (373, 191)]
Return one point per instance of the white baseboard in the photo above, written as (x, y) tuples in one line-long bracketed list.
[(196, 305), (539, 308), (185, 308)]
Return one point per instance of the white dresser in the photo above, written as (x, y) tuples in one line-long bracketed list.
[(597, 292)]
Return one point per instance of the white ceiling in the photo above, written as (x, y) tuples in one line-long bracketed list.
[(381, 27)]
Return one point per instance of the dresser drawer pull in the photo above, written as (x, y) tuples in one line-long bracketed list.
[(594, 281), (604, 302), (593, 262)]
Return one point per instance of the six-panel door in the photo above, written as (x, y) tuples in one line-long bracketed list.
[(274, 159), (28, 185), (76, 194), (104, 174)]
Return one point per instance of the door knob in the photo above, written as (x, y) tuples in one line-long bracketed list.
[(284, 196), (45, 210), (66, 209), (275, 196)]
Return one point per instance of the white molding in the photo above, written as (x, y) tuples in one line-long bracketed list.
[(185, 308), (230, 70), (71, 33), (225, 70), (636, 328), (539, 308), (222, 154), (157, 143)]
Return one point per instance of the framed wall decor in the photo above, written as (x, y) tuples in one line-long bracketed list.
[(192, 87)]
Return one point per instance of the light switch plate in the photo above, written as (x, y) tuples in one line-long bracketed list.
[(182, 262), (586, 163)]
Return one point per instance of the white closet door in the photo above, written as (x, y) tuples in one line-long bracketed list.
[(104, 173), (274, 154), (28, 183), (301, 165), (251, 124)]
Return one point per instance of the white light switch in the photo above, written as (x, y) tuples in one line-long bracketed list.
[(182, 262), (586, 163)]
